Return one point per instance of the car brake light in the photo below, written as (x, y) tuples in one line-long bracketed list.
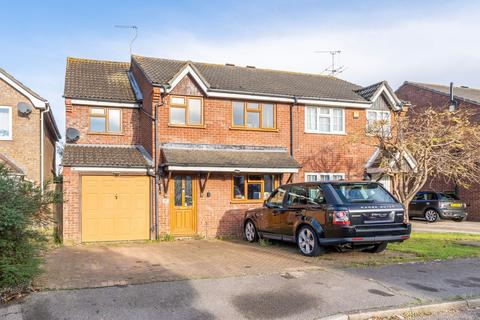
[(340, 217)]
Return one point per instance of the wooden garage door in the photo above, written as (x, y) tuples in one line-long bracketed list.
[(115, 208)]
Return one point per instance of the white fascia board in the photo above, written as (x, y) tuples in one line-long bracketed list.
[(226, 169), (390, 97), (373, 157), (37, 103), (104, 103), (341, 104), (108, 169)]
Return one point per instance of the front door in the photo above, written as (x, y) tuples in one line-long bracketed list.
[(183, 206)]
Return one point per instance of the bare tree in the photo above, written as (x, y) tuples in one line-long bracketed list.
[(416, 147)]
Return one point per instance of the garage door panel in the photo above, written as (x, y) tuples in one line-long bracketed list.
[(115, 208)]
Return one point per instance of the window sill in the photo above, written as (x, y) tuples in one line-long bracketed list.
[(253, 129), (202, 126), (104, 133), (6, 139), (328, 133)]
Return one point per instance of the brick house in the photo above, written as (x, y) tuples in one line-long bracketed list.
[(26, 120), (183, 148), (422, 96)]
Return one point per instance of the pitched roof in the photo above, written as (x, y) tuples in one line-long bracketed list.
[(49, 115), (122, 156), (251, 80), (99, 80), (369, 92), (20, 84), (204, 155), (471, 95)]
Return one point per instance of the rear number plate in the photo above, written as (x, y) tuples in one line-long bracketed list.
[(456, 205)]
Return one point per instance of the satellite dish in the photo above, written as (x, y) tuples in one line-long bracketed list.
[(72, 135), (24, 108)]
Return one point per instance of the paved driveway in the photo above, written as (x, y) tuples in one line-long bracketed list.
[(446, 226), (104, 265)]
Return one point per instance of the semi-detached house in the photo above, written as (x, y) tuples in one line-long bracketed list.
[(159, 146)]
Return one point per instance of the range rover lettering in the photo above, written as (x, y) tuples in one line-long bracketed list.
[(335, 213)]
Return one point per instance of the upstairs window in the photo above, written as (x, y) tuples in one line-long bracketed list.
[(186, 111), (104, 120), (5, 123), (324, 120), (254, 187), (253, 115), (323, 176), (378, 122)]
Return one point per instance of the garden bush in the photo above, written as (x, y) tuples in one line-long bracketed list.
[(24, 212)]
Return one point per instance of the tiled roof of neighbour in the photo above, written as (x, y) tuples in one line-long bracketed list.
[(104, 156), (369, 92), (252, 80), (10, 165), (462, 93), (33, 93), (227, 156), (99, 80)]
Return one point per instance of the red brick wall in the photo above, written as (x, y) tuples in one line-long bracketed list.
[(71, 231), (422, 99), (78, 117)]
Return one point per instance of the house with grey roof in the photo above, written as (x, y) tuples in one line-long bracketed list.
[(446, 97), (160, 146)]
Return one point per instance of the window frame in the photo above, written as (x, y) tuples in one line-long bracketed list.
[(10, 123), (185, 106), (330, 116), (377, 112), (107, 120), (319, 174), (259, 110), (248, 181)]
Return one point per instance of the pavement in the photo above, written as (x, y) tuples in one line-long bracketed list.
[(291, 294), (446, 226), (450, 315)]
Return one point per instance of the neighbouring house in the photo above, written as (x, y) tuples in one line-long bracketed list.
[(444, 97), (158, 146), (28, 132)]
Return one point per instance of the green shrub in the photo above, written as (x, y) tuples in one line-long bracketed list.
[(24, 210)]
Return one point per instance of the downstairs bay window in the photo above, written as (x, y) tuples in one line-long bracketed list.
[(253, 187)]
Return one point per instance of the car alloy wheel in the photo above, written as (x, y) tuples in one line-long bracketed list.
[(250, 231), (431, 215), (307, 242)]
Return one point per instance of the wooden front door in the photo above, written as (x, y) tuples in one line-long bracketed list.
[(183, 205)]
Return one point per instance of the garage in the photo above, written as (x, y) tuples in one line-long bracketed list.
[(115, 208)]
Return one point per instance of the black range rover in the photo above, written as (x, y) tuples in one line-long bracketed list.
[(334, 213)]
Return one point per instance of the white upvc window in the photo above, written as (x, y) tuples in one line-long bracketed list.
[(323, 176), (378, 120), (5, 123), (324, 120)]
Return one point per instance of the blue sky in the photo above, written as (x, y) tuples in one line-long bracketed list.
[(426, 41)]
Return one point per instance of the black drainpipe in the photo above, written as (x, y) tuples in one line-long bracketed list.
[(295, 102), (157, 178)]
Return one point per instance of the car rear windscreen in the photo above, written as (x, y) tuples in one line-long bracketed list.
[(447, 197), (362, 193)]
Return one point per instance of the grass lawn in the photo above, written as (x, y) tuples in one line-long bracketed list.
[(429, 246)]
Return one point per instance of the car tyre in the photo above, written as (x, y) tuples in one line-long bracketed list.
[(431, 215), (307, 242), (380, 247), (250, 231)]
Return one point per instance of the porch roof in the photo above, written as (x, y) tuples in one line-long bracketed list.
[(227, 158)]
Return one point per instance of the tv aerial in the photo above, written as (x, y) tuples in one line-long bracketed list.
[(332, 69), (134, 28)]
